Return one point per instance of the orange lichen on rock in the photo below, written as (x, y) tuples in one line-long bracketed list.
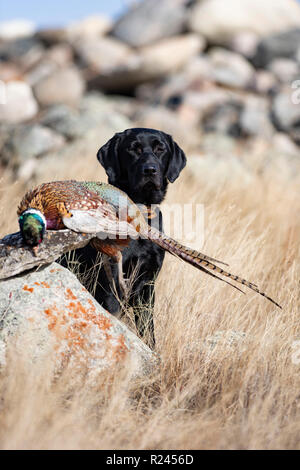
[(69, 294), (74, 324), (28, 289), (120, 349), (45, 284)]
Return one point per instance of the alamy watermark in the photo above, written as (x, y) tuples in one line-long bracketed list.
[(181, 222)]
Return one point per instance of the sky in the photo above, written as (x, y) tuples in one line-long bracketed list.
[(59, 12)]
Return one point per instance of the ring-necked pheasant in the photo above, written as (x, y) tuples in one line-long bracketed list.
[(100, 208)]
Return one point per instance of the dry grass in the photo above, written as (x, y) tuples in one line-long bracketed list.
[(243, 395)]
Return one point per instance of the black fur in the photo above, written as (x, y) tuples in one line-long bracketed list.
[(141, 162)]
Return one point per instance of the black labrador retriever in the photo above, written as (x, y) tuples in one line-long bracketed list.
[(141, 162)]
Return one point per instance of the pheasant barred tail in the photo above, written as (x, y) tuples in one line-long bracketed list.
[(202, 262)]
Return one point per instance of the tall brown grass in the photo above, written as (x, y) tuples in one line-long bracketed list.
[(226, 379)]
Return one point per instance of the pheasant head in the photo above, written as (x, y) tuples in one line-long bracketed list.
[(32, 226)]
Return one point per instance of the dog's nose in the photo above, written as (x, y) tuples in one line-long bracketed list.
[(149, 170)]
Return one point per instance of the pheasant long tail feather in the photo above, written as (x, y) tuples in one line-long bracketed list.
[(200, 261)]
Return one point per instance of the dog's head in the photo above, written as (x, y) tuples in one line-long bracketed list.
[(141, 162)]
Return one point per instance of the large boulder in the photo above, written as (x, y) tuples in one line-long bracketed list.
[(14, 29), (286, 44), (24, 51), (101, 53), (18, 104), (63, 86), (151, 63), (231, 69), (219, 21), (29, 141), (94, 110), (92, 26), (255, 117), (50, 314), (286, 111), (151, 20)]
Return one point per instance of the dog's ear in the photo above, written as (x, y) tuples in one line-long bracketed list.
[(108, 156), (177, 160)]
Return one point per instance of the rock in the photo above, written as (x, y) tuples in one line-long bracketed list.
[(285, 112), (285, 44), (159, 117), (220, 21), (207, 99), (102, 54), (20, 104), (14, 29), (60, 54), (265, 82), (94, 110), (41, 71), (152, 62), (51, 36), (255, 118), (151, 20), (26, 170), (49, 315), (231, 69), (29, 141), (224, 119), (63, 86), (64, 120), (94, 26), (10, 72), (244, 43), (23, 51), (285, 70)]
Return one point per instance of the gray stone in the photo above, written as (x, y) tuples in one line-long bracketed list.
[(25, 52), (29, 141), (285, 70), (255, 117), (19, 103), (151, 20), (63, 86), (231, 69), (244, 43), (265, 82), (285, 44), (94, 110), (220, 21), (224, 119), (101, 54), (92, 26), (51, 316), (159, 117), (152, 62), (286, 113)]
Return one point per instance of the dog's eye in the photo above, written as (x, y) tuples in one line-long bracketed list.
[(135, 149), (158, 149)]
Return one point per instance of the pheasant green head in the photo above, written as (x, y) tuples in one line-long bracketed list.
[(32, 225)]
